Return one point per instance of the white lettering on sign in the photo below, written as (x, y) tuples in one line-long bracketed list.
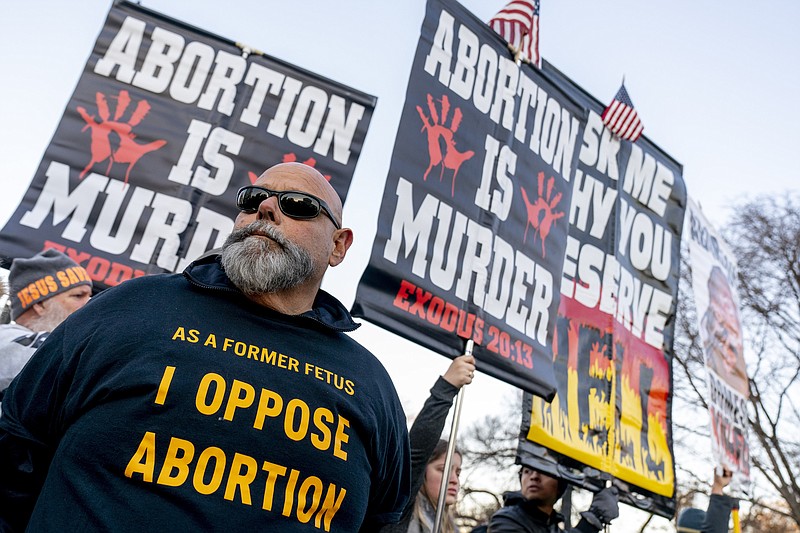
[(474, 71), (195, 73), (519, 290), (167, 218)]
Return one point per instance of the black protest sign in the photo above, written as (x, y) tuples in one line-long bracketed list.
[(165, 124), (473, 222), (613, 343)]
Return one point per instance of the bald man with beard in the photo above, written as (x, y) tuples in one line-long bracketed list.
[(228, 397)]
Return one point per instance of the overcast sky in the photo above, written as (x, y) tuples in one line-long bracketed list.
[(714, 84)]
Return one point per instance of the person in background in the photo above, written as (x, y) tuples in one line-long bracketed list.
[(43, 290), (427, 499), (5, 309), (531, 509), (428, 453), (715, 519), (225, 398)]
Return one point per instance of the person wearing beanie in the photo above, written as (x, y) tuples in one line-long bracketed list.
[(5, 311), (43, 290), (531, 509)]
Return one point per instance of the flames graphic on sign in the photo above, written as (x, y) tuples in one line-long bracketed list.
[(609, 411)]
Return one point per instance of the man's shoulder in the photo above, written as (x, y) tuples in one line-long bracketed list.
[(149, 280), (12, 327), (509, 513), (150, 283), (516, 515), (362, 361), (12, 331)]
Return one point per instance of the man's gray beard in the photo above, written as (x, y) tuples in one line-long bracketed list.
[(55, 314), (258, 266)]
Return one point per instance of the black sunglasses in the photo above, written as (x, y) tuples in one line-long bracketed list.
[(295, 204)]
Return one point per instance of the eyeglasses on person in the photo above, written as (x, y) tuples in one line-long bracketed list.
[(295, 204)]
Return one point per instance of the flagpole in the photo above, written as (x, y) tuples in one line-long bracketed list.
[(451, 446)]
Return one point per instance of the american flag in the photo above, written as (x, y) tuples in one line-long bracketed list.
[(518, 24), (621, 118)]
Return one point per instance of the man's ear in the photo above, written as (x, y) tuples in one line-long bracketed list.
[(342, 239), (39, 309)]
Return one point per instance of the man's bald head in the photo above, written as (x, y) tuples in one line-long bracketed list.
[(301, 177)]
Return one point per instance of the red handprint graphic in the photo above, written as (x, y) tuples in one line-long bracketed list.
[(452, 158), (289, 158), (127, 151), (541, 213), (292, 158)]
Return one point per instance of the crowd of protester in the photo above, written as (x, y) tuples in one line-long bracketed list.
[(128, 412)]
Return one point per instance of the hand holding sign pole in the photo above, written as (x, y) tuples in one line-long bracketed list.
[(451, 446)]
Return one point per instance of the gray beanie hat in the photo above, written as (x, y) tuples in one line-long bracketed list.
[(43, 276)]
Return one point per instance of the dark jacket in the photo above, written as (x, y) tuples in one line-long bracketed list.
[(425, 432), (174, 402), (518, 515), (718, 514)]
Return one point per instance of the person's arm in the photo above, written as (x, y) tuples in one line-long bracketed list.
[(585, 526), (604, 508), (504, 521), (427, 428), (719, 505)]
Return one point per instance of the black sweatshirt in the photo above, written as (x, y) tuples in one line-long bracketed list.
[(172, 402)]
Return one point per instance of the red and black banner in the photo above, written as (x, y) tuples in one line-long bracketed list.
[(473, 224), (165, 124), (613, 344)]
